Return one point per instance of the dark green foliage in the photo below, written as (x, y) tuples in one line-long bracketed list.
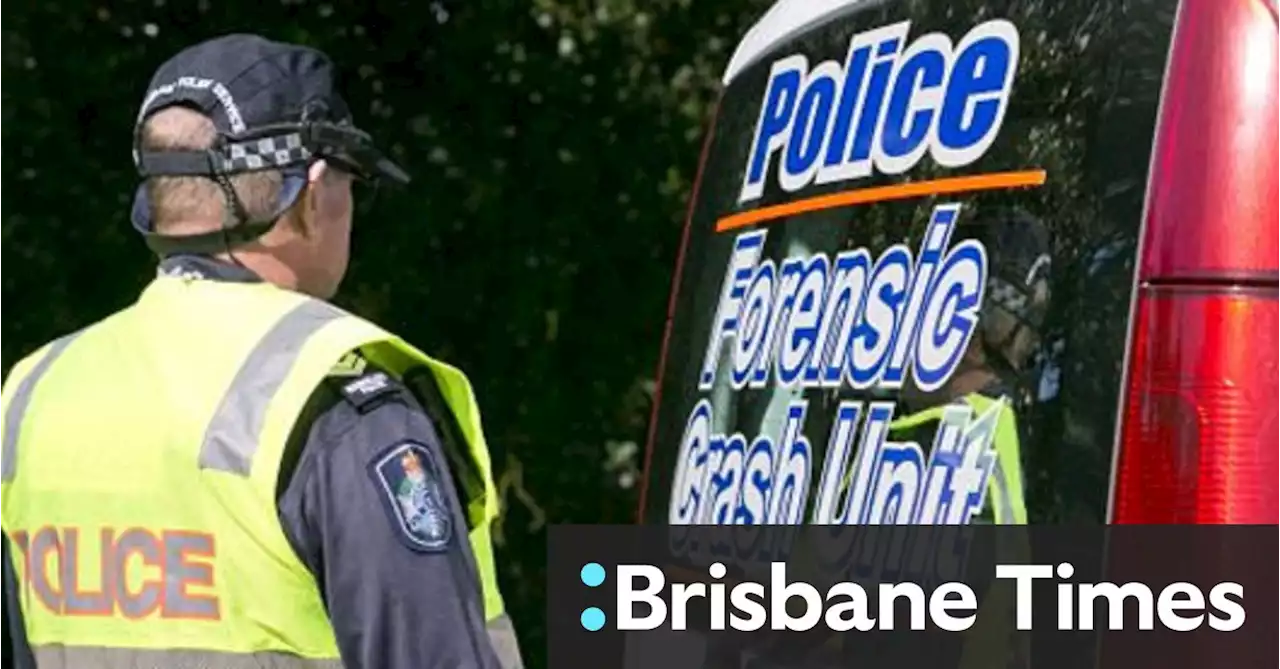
[(553, 145)]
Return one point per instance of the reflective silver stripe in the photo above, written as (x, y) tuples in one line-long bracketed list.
[(988, 422), (1002, 482), (232, 436), (18, 407), (502, 634), (56, 656)]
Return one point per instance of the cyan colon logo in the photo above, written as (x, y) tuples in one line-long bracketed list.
[(592, 576)]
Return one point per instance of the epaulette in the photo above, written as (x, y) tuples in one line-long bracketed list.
[(368, 390), (362, 385)]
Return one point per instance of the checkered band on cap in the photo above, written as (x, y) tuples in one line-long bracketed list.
[(265, 153), (1006, 295)]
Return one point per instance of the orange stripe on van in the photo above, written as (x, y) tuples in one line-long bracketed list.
[(965, 184)]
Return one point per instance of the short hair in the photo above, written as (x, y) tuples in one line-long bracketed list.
[(191, 204)]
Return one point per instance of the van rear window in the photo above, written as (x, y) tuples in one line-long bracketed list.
[(909, 263)]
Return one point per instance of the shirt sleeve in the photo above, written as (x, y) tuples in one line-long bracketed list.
[(17, 652), (372, 510)]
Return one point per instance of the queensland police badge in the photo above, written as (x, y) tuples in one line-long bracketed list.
[(414, 496)]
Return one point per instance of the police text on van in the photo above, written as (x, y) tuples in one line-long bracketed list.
[(884, 107)]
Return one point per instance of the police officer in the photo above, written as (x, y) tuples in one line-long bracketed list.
[(991, 375), (1015, 302), (231, 472), (1014, 305)]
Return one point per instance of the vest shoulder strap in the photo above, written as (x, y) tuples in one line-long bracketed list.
[(452, 386), (1009, 499), (1006, 476), (16, 395), (319, 338)]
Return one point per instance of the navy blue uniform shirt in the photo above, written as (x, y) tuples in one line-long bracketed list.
[(367, 498)]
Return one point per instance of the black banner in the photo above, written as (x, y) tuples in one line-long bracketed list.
[(984, 596)]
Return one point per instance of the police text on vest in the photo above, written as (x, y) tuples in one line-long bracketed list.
[(130, 572)]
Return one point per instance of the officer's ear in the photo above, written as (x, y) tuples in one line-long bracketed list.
[(307, 213), (317, 176)]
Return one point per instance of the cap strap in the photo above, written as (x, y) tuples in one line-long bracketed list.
[(231, 158), (177, 163), (206, 243)]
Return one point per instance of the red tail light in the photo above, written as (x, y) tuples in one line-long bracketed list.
[(1198, 441)]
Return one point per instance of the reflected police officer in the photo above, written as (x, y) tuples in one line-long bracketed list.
[(992, 373), (1015, 302), (995, 362), (260, 478)]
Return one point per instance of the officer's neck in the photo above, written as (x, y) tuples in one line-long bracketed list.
[(967, 380), (267, 266), (970, 381), (240, 265)]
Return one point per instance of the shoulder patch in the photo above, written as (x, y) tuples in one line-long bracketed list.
[(367, 391), (413, 495)]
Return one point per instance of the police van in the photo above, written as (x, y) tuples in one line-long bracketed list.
[(963, 261)]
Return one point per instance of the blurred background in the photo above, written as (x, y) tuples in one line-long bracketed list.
[(553, 145)]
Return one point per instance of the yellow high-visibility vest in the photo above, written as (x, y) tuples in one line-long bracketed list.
[(992, 640), (988, 640), (1004, 491), (140, 461)]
